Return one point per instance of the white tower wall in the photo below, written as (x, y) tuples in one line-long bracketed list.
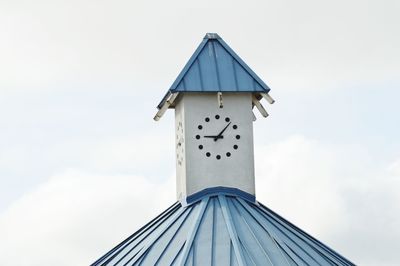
[(235, 167)]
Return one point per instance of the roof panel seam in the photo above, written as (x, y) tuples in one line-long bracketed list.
[(243, 64), (295, 243), (253, 234), (188, 65), (267, 230), (295, 230), (115, 251), (235, 74), (173, 236), (200, 75), (167, 225), (142, 241), (216, 65), (193, 230), (231, 230)]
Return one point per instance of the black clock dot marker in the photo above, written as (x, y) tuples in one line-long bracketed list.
[(200, 127), (237, 136), (200, 147), (207, 119), (217, 117), (227, 119), (197, 136), (235, 126), (235, 147), (218, 157), (208, 154), (228, 154)]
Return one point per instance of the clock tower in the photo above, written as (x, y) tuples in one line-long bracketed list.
[(217, 220), (213, 98)]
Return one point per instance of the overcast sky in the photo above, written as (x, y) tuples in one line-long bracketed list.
[(83, 165)]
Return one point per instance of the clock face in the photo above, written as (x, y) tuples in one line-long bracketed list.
[(217, 137), (179, 144)]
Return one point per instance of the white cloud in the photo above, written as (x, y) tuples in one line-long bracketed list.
[(313, 43), (297, 176), (336, 193), (394, 168), (75, 217), (97, 51)]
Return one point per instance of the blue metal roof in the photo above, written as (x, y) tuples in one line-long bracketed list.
[(215, 67), (221, 229)]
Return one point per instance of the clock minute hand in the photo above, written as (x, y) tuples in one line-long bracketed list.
[(223, 130)]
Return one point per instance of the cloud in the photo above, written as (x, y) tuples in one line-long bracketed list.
[(297, 176), (332, 192), (75, 217), (339, 194), (75, 92), (313, 43)]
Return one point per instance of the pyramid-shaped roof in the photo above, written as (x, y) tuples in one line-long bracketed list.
[(221, 229), (215, 67)]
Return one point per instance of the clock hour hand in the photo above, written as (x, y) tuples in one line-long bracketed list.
[(213, 137), (220, 133)]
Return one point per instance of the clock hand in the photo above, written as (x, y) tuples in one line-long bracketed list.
[(220, 133), (213, 137)]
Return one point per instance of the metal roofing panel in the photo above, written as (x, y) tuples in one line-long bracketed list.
[(221, 229), (201, 249), (215, 67), (221, 243), (249, 239)]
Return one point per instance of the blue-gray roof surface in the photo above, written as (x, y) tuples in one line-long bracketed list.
[(221, 229), (215, 67)]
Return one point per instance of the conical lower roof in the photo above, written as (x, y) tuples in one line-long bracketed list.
[(221, 229)]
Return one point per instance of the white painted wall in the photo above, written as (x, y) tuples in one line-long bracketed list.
[(195, 171)]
